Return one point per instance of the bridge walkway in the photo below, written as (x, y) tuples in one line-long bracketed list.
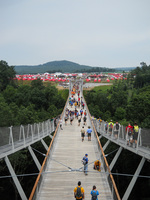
[(69, 150)]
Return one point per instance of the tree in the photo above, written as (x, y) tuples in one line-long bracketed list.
[(5, 113), (7, 75), (37, 84), (120, 113), (10, 94)]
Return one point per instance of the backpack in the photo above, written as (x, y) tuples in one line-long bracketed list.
[(110, 125), (94, 195), (106, 126), (129, 131), (78, 193), (83, 161), (117, 126)]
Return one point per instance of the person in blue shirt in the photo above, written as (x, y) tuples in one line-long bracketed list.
[(89, 131), (85, 162), (94, 193)]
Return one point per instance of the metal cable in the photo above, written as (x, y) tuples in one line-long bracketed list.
[(74, 170)]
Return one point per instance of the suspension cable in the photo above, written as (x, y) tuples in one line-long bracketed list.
[(51, 158), (74, 170), (111, 152), (43, 154)]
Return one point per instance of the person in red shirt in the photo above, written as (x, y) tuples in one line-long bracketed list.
[(129, 134)]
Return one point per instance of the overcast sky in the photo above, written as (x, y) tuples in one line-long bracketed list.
[(104, 33)]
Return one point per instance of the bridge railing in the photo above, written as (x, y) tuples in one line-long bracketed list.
[(39, 179), (143, 140), (110, 178), (15, 137)]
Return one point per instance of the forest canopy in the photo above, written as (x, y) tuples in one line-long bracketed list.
[(26, 104), (126, 101)]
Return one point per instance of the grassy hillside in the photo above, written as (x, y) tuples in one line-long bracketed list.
[(55, 66)]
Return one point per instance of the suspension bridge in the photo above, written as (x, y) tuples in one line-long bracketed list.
[(62, 167)]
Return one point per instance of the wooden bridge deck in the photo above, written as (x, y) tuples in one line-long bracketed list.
[(69, 150)]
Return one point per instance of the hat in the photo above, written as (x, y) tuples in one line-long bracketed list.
[(86, 154)]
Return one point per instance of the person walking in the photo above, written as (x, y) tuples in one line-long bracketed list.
[(106, 127), (81, 112), (135, 133), (85, 113), (82, 133), (94, 193), (110, 125), (85, 161), (89, 131), (129, 136), (79, 120), (84, 120), (71, 119), (66, 119), (60, 123), (79, 192), (116, 129)]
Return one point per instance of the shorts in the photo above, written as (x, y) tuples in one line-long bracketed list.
[(82, 135), (116, 132), (89, 134), (129, 137), (135, 136)]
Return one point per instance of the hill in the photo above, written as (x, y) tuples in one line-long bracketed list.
[(54, 66), (64, 67)]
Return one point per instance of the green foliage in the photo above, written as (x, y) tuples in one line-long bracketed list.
[(102, 89), (37, 84), (123, 101), (142, 75), (7, 73), (64, 93), (30, 104), (60, 66), (120, 113)]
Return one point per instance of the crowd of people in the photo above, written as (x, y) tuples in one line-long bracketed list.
[(130, 131), (76, 113)]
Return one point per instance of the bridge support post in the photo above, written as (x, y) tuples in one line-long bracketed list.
[(100, 137), (115, 158), (11, 140), (106, 145), (131, 185), (34, 158), (15, 179), (44, 144)]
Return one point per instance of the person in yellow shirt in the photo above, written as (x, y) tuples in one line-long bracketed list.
[(110, 126), (97, 165), (135, 133), (79, 192), (75, 104)]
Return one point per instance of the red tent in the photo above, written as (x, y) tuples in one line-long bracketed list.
[(99, 80)]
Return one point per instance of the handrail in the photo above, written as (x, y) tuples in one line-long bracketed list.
[(111, 176), (44, 162)]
